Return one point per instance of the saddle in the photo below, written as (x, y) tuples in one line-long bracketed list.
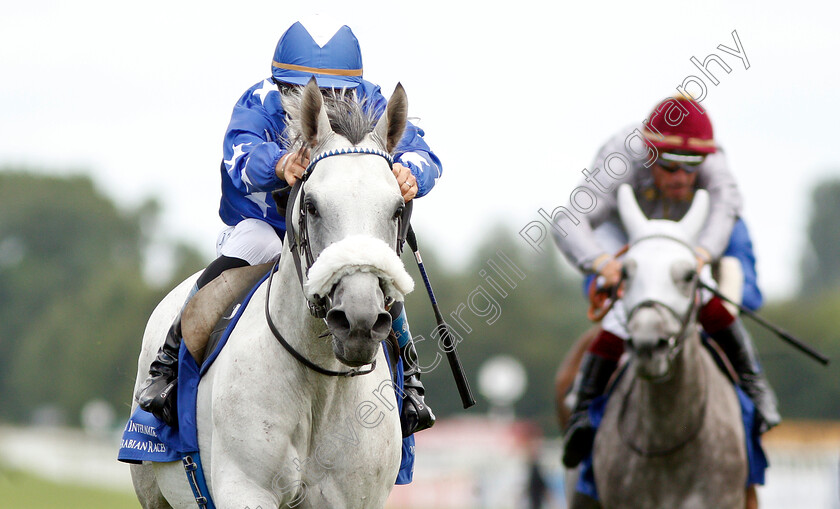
[(210, 310)]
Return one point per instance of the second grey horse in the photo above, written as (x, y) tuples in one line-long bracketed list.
[(671, 436)]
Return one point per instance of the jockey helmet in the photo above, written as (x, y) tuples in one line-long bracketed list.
[(336, 64), (679, 126)]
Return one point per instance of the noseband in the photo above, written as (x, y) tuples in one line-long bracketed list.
[(300, 247)]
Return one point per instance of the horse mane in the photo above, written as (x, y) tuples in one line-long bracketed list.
[(350, 117)]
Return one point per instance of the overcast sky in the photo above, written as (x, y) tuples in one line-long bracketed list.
[(515, 98)]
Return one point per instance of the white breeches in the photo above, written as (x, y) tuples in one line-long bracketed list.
[(251, 240)]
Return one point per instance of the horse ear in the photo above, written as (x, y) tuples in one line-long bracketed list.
[(693, 220), (632, 217), (391, 125), (315, 124)]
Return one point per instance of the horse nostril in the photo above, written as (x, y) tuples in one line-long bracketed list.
[(337, 321), (382, 325)]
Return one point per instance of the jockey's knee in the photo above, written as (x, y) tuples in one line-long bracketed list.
[(251, 240), (607, 345), (216, 267)]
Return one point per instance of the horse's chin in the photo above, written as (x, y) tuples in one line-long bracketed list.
[(355, 352), (654, 366)]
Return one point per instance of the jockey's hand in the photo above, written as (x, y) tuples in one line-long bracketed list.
[(609, 268), (291, 166), (406, 181)]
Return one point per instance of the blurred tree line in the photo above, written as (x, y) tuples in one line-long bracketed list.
[(75, 303), (74, 299)]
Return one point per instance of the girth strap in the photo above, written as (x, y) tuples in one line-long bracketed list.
[(195, 478)]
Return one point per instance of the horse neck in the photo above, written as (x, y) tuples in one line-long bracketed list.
[(664, 411)]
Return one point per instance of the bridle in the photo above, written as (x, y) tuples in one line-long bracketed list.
[(674, 341), (300, 247), (675, 344), (301, 251)]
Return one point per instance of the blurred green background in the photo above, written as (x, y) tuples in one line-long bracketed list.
[(77, 290), (24, 490)]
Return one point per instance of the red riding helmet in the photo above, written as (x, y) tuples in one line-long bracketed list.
[(680, 125)]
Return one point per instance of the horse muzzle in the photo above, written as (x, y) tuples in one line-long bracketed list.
[(357, 318), (654, 330), (357, 276)]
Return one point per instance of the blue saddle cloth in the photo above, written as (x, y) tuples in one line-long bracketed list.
[(146, 438), (756, 459)]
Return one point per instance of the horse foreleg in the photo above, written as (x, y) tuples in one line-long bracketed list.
[(146, 487), (234, 488), (567, 371)]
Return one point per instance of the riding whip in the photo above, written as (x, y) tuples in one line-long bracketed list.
[(798, 344), (449, 346)]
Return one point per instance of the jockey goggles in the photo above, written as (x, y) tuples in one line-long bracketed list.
[(672, 162)]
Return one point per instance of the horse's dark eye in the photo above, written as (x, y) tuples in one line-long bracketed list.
[(398, 214), (689, 276), (311, 209)]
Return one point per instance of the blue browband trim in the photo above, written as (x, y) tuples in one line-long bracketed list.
[(348, 150)]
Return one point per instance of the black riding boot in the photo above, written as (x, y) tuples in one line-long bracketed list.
[(594, 374), (737, 344), (416, 415), (158, 394)]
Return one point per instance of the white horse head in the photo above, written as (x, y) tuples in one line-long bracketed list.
[(346, 216), (660, 275)]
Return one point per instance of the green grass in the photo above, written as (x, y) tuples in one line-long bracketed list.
[(20, 490)]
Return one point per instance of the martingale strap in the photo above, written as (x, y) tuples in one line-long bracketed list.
[(297, 355)]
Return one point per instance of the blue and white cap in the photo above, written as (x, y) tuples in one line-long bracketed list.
[(336, 64)]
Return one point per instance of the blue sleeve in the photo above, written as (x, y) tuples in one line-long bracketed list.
[(415, 154), (412, 152), (587, 281), (740, 247), (252, 145)]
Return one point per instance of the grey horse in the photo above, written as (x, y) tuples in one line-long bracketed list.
[(671, 436), (272, 431)]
